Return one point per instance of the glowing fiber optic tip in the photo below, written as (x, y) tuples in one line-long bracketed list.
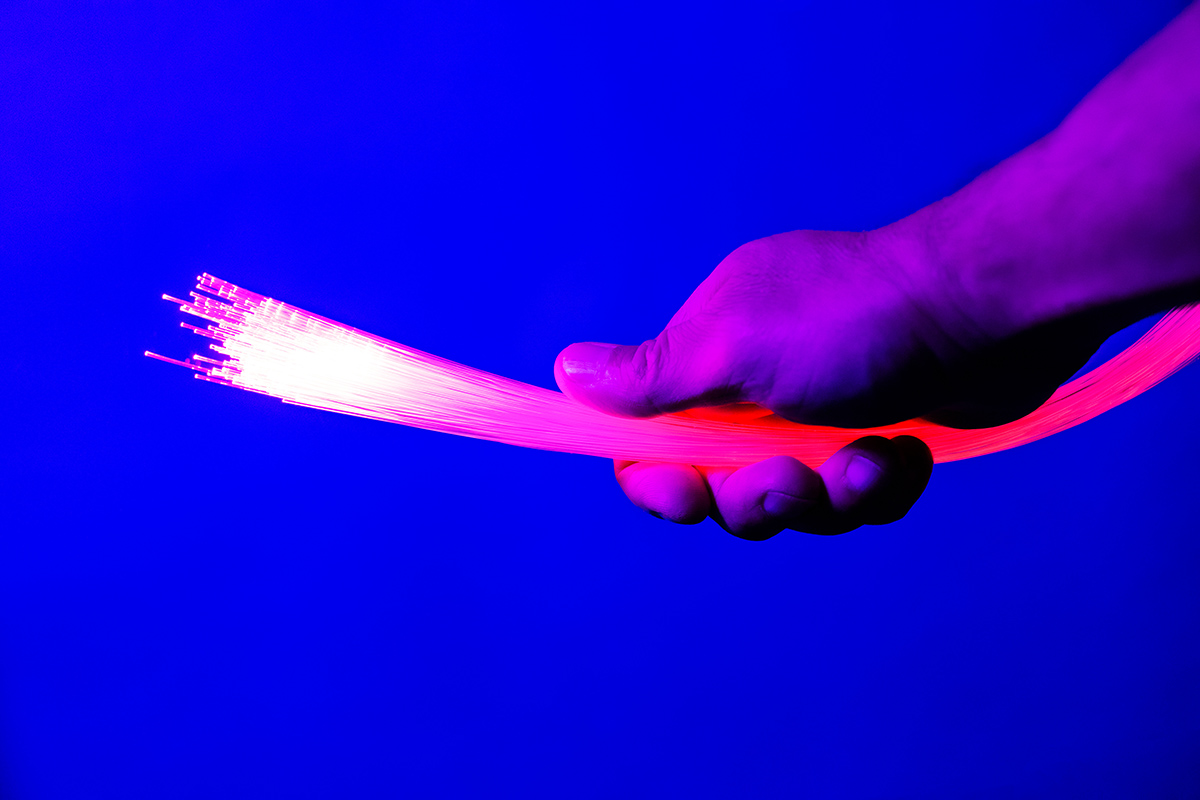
[(272, 348)]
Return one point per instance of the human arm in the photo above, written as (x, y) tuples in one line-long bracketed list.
[(969, 313)]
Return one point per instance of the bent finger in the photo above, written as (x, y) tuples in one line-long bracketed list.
[(676, 492), (874, 480), (759, 501)]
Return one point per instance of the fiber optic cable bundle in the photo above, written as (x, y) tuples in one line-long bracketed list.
[(265, 346)]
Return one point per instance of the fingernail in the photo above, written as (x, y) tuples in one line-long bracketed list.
[(862, 473), (584, 362), (779, 504)]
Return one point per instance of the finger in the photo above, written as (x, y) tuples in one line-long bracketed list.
[(917, 468), (874, 481), (676, 492), (758, 501), (685, 365)]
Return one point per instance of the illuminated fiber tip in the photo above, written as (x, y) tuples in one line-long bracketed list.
[(187, 364), (272, 348)]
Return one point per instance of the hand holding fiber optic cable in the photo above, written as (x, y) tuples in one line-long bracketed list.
[(933, 339), (968, 314)]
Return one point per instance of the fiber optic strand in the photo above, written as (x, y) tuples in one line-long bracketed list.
[(265, 346)]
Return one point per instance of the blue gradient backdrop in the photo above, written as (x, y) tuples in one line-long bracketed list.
[(205, 593)]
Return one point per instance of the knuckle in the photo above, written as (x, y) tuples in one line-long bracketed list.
[(649, 364)]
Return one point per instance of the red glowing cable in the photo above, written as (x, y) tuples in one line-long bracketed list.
[(301, 358)]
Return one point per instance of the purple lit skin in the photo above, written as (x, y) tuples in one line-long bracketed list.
[(968, 313)]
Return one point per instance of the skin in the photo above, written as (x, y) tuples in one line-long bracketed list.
[(969, 313)]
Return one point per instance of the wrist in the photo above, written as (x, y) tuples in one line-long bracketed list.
[(1052, 236), (956, 275), (1099, 220)]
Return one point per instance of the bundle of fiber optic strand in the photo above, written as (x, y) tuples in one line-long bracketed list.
[(263, 345)]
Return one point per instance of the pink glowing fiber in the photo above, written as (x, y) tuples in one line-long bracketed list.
[(276, 349)]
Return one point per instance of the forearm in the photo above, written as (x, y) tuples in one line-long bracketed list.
[(1101, 218)]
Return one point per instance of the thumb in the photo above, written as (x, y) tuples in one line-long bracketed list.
[(682, 367)]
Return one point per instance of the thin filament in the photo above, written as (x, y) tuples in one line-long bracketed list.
[(263, 345)]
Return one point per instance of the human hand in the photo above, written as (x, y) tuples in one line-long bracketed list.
[(843, 329), (969, 313)]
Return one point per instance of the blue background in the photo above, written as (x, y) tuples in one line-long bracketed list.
[(205, 593)]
